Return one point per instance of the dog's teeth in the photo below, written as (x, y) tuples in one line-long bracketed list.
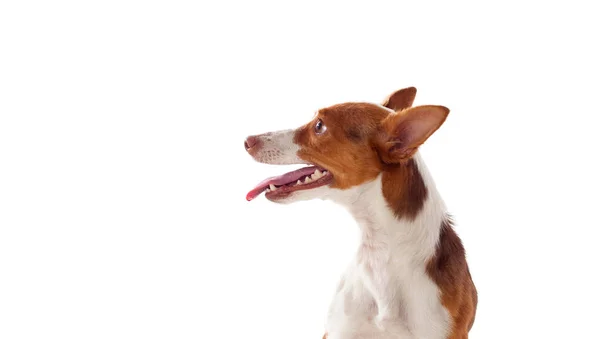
[(307, 180), (317, 175), (298, 182), (268, 190), (272, 187), (324, 173)]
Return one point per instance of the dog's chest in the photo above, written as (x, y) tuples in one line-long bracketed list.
[(415, 310), (354, 308)]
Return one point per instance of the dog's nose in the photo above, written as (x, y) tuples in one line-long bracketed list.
[(250, 142)]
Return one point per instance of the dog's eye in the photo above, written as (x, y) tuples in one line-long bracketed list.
[(320, 127)]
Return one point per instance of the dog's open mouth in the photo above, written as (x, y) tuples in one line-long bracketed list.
[(281, 186)]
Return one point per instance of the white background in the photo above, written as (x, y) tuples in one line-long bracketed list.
[(123, 172)]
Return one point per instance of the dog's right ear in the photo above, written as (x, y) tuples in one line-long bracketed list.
[(401, 99)]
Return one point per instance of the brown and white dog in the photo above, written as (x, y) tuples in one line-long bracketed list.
[(409, 278)]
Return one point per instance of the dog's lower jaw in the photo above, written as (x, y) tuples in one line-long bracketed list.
[(322, 193)]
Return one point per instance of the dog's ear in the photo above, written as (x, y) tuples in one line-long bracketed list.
[(403, 132), (401, 99)]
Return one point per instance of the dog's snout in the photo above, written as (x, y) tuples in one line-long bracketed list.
[(277, 148), (250, 142)]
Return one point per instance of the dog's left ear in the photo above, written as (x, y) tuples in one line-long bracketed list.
[(403, 132), (401, 99)]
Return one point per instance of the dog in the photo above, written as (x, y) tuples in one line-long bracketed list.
[(409, 277)]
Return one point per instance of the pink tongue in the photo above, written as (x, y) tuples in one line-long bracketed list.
[(279, 181)]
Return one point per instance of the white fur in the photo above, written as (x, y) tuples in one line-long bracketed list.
[(385, 292), (278, 148)]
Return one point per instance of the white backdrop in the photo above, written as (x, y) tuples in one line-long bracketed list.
[(123, 172)]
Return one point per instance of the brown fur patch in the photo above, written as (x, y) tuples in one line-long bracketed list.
[(449, 270), (404, 189), (401, 99), (354, 131), (355, 160), (351, 160)]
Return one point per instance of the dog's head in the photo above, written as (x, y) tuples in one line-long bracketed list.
[(344, 145)]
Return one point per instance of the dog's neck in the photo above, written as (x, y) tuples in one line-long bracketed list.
[(408, 227)]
